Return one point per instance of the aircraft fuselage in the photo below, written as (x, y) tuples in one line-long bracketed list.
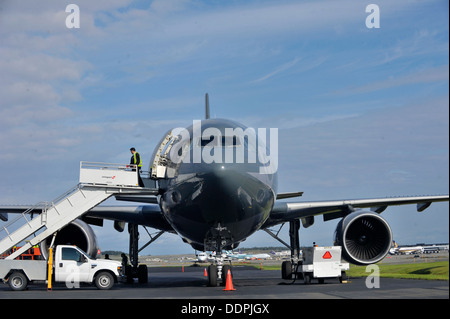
[(219, 203)]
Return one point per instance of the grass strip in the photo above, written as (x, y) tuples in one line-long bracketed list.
[(429, 271)]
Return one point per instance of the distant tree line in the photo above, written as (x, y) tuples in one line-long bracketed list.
[(268, 248), (112, 252)]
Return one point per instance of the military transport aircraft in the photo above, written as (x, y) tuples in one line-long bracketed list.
[(216, 185)]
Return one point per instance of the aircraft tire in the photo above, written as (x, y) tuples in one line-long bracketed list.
[(286, 270), (129, 274), (212, 276), (225, 273), (142, 274)]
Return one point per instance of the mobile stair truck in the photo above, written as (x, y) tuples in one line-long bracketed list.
[(69, 265), (98, 182)]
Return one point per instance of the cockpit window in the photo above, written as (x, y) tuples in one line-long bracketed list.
[(231, 141), (226, 141), (211, 142)]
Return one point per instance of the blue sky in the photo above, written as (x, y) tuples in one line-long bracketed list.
[(361, 112)]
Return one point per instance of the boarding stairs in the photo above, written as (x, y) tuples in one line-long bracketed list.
[(98, 182)]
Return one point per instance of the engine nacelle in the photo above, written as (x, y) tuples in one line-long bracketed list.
[(365, 237), (77, 233)]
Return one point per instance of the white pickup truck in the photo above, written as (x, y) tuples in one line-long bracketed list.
[(70, 265)]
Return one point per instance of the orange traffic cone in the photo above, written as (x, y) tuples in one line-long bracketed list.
[(206, 273), (229, 284)]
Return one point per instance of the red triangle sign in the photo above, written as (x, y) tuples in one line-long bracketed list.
[(327, 255)]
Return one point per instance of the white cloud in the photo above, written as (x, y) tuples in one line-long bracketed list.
[(162, 7), (128, 67), (429, 75), (39, 66), (390, 150), (280, 69)]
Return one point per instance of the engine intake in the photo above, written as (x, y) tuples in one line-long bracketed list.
[(365, 237), (77, 233)]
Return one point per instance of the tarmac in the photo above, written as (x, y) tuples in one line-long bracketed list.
[(186, 288), (249, 282)]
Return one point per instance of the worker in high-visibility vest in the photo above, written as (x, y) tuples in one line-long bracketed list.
[(136, 161)]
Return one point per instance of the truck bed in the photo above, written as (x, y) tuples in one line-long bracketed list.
[(33, 269)]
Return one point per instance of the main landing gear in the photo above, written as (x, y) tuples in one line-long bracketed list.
[(288, 268), (135, 270)]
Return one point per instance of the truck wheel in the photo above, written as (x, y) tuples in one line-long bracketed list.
[(104, 280), (18, 281), (343, 277)]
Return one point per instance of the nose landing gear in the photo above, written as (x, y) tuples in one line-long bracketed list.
[(217, 239)]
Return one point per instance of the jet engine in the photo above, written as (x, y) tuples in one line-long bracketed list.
[(365, 237), (77, 233)]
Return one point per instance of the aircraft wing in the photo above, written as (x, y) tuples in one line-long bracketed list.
[(151, 216), (15, 209), (285, 211), (146, 215)]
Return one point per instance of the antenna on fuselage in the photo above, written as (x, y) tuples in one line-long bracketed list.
[(206, 106)]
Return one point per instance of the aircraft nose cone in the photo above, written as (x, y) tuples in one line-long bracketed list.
[(220, 195)]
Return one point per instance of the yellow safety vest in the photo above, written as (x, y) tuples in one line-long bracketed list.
[(140, 160)]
